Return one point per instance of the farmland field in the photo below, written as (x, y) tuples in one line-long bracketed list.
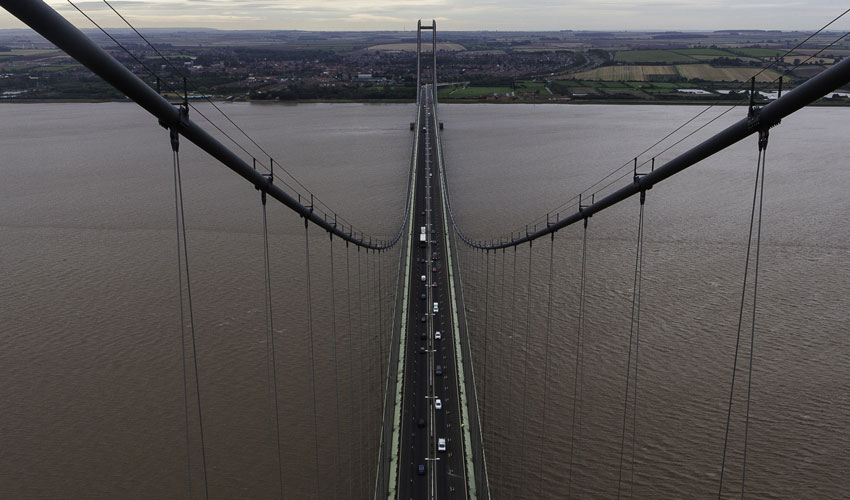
[(652, 56), (625, 73), (478, 92), (710, 73), (755, 52), (411, 47)]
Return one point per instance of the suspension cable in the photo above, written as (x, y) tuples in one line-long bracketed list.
[(180, 217), (182, 329), (546, 362), (525, 370), (633, 328), (271, 363), (486, 323), (380, 323), (501, 359), (575, 437), (336, 374), (360, 412), (512, 355), (753, 326), (759, 174), (312, 360), (351, 404)]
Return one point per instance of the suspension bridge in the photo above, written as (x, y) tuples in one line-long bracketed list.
[(431, 394)]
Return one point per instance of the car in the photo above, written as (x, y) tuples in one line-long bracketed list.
[(424, 278), (421, 349), (434, 269), (422, 260), (422, 296), (420, 470), (438, 404), (433, 242), (438, 370), (436, 307), (433, 231), (441, 444), (434, 284), (437, 336), (421, 422), (424, 319), (422, 336)]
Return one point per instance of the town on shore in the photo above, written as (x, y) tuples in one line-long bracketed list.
[(481, 66)]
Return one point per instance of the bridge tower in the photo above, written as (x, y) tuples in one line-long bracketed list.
[(433, 28)]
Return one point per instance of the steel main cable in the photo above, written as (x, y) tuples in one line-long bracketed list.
[(572, 200), (350, 236), (739, 87), (210, 101)]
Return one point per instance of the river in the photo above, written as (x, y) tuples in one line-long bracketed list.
[(92, 391)]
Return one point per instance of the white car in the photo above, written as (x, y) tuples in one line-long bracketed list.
[(438, 404), (436, 307), (441, 444), (437, 336), (424, 278)]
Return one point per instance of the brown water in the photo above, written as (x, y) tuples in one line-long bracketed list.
[(92, 391)]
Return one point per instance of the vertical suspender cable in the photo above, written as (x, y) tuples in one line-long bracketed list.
[(271, 364), (380, 327), (336, 371), (525, 371), (753, 327), (635, 309), (312, 362), (740, 322), (351, 403), (182, 331), (546, 363), (381, 380), (180, 217), (486, 323), (575, 436), (511, 362), (360, 413), (502, 344), (637, 346)]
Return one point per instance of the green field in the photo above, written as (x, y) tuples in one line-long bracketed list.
[(754, 52), (477, 92), (704, 52), (652, 56), (57, 67)]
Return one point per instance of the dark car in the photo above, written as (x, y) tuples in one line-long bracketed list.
[(421, 422), (422, 296), (434, 269), (433, 242), (424, 319), (420, 470), (438, 370), (422, 259)]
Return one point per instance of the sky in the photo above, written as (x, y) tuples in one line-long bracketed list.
[(451, 15)]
